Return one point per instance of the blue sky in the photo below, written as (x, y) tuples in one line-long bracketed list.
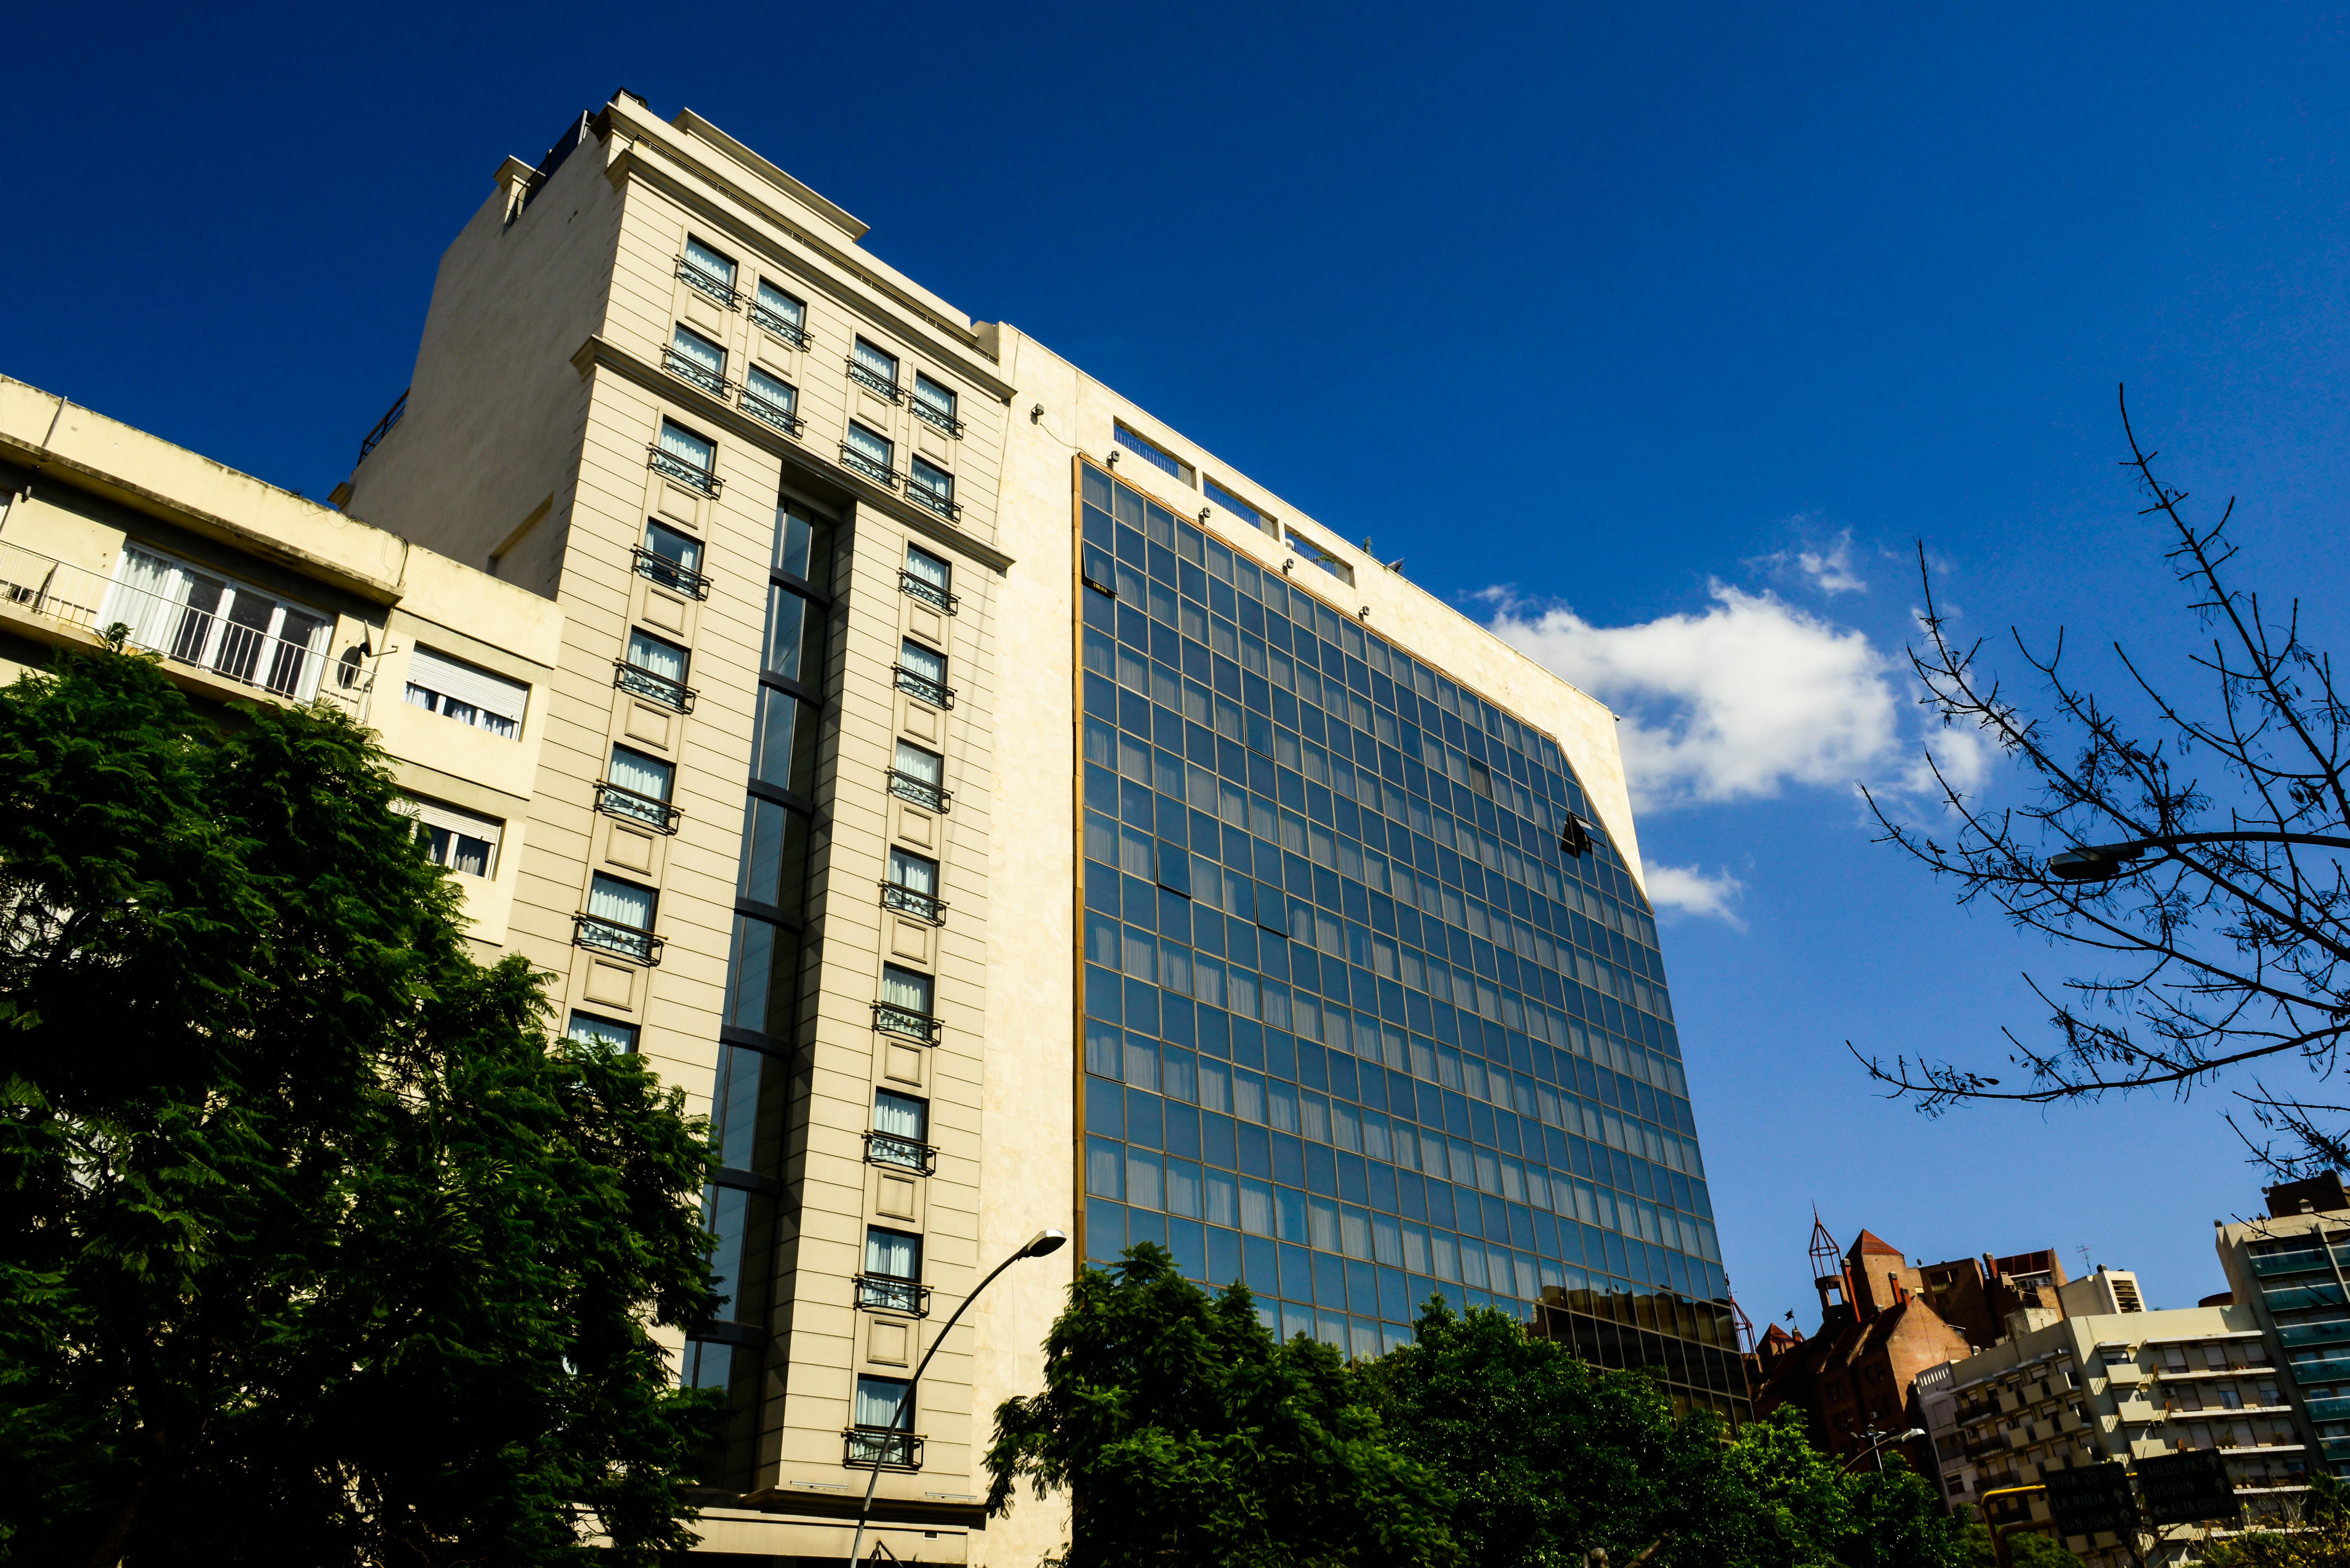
[(1663, 331)]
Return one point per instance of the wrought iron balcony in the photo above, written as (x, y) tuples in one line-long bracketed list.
[(937, 501), (657, 568), (923, 689), (684, 473), (881, 1292), (782, 326), (611, 937), (879, 1449), (928, 592), (391, 416), (922, 906), (661, 688), (929, 413), (686, 368), (873, 381), (770, 413), (892, 1019), (900, 1153), (880, 473), (629, 805), (701, 282), (920, 792)]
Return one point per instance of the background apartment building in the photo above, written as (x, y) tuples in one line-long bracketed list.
[(1008, 816), (250, 592)]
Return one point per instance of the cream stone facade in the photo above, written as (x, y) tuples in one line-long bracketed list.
[(801, 820), (254, 594)]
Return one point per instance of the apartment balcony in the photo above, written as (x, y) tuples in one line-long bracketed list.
[(2336, 1332), (2296, 1298), (881, 1292), (873, 381), (930, 414), (661, 569), (686, 368), (927, 592), (675, 695), (782, 326), (770, 413), (900, 1153), (2334, 1408), (611, 937), (922, 688), (904, 1022), (2300, 1261), (937, 501), (2334, 1369), (856, 461), (920, 792), (684, 473), (701, 283), (879, 1449), (923, 907), (629, 805)]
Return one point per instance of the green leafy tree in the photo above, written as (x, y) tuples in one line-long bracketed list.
[(1184, 1433), (2025, 1549), (2321, 1540), (313, 1249)]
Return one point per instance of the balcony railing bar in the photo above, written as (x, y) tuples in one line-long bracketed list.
[(922, 906), (610, 935), (892, 1019), (928, 592), (878, 1447), (881, 1292), (630, 806), (775, 414), (900, 1153), (694, 278), (920, 792), (939, 502), (924, 688), (782, 327), (654, 687), (879, 473), (873, 380), (655, 568), (930, 414), (391, 416), (686, 368), (684, 473)]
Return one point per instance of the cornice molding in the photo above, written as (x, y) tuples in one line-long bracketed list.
[(600, 353)]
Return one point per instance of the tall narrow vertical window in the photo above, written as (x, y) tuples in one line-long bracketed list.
[(640, 788), (783, 743), (901, 1116), (708, 271), (930, 578), (870, 454), (905, 1004), (922, 674), (697, 358), (913, 886), (876, 367), (688, 458), (781, 314), (672, 558), (655, 667), (879, 1404), (920, 776), (771, 398), (892, 1254), (934, 404), (933, 486)]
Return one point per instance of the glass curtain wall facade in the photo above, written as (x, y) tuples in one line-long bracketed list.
[(1356, 1032), (751, 1099)]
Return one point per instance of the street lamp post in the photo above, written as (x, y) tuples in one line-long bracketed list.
[(2103, 862), (1877, 1446), (1041, 1244)]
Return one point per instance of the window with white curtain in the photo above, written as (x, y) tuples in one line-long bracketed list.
[(877, 1403), (892, 1254), (906, 988), (209, 619), (622, 903), (900, 1116)]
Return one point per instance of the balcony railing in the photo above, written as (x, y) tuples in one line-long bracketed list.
[(2293, 1298), (880, 473), (661, 569), (881, 1292), (2300, 1334), (900, 1153), (391, 416), (907, 901), (770, 413), (686, 368), (684, 473), (874, 382), (661, 688), (928, 592), (73, 596), (879, 1449), (629, 805), (920, 792), (2300, 1261), (937, 501), (929, 413), (2334, 1407), (2334, 1369), (701, 282), (892, 1019), (923, 689), (611, 937), (780, 326)]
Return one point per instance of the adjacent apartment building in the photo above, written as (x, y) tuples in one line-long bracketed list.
[(995, 810)]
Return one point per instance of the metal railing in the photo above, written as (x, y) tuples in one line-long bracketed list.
[(659, 568), (880, 473), (878, 1447), (900, 1153), (2334, 1369), (929, 413), (684, 473), (920, 792), (2294, 1298), (873, 380), (937, 501), (685, 367), (770, 413), (905, 900), (892, 1019), (917, 685), (884, 1293), (611, 937), (73, 596), (391, 416), (928, 592), (701, 282), (2299, 1260), (782, 326), (2300, 1334), (633, 805), (661, 688)]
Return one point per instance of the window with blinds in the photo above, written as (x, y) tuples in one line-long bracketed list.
[(466, 692), (460, 840)]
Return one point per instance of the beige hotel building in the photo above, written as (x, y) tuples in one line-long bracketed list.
[(999, 813)]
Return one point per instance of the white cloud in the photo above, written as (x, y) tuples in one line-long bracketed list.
[(1693, 891), (1827, 570), (1739, 701)]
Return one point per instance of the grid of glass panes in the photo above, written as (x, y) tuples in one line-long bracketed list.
[(1356, 1032)]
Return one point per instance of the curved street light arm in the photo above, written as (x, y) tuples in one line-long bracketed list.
[(2103, 862)]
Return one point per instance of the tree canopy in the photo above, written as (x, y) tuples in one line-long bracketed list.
[(315, 1249)]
